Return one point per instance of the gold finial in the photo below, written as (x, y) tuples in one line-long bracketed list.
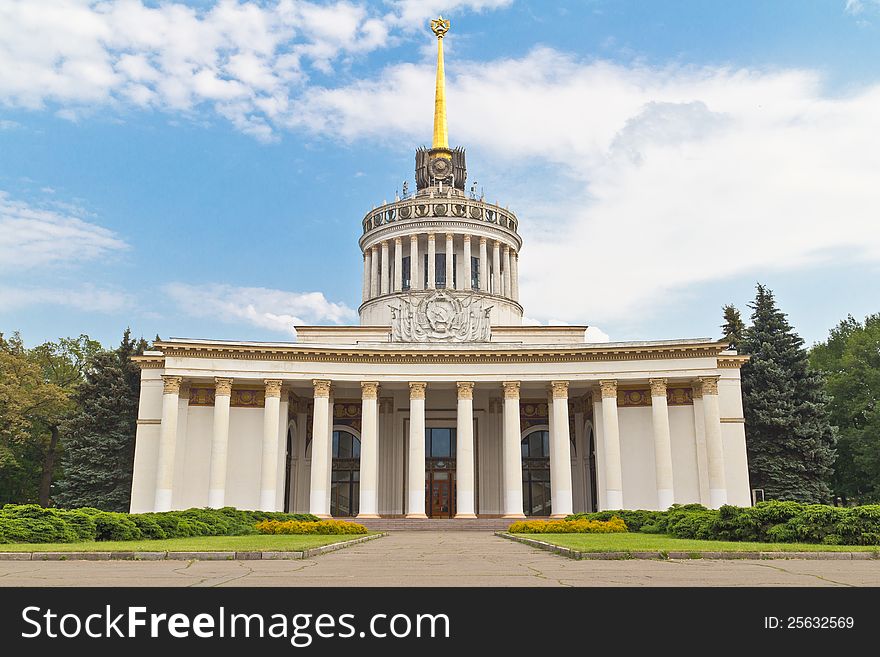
[(440, 27)]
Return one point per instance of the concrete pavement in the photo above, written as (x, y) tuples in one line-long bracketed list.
[(441, 559)]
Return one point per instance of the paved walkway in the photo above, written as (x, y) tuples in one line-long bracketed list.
[(441, 559)]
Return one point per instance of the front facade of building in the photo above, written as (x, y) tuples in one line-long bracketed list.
[(440, 404)]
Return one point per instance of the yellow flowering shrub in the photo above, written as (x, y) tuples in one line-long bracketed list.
[(305, 527), (579, 526)]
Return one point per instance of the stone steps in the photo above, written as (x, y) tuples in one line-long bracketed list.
[(435, 524)]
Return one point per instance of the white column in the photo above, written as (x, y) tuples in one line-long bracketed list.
[(512, 450), (496, 267), (700, 440), (374, 272), (415, 280), (398, 264), (514, 275), (386, 270), (269, 469), (369, 484), (468, 274), (464, 448), (662, 445), (450, 257), (366, 282), (714, 446), (319, 494), (167, 443), (506, 273), (484, 266), (560, 453), (432, 250), (328, 469), (219, 443), (611, 446), (416, 479)]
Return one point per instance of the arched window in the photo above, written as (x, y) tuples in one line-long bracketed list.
[(536, 473), (345, 475)]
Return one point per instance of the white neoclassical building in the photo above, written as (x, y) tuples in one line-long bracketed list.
[(440, 403)]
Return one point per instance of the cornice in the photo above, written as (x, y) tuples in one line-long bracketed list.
[(149, 362), (438, 353), (730, 361), (440, 225)]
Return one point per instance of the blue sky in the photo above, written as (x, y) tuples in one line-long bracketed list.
[(201, 169)]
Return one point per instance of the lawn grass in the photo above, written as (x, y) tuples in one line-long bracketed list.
[(251, 543), (636, 542)]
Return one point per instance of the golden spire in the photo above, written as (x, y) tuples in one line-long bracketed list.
[(440, 27)]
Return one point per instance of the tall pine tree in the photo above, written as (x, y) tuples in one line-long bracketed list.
[(789, 437), (99, 452), (733, 326)]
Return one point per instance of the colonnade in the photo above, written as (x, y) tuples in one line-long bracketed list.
[(497, 268), (707, 422)]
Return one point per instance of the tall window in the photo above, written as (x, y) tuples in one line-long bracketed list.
[(345, 476), (440, 270), (536, 473), (439, 443), (406, 272), (475, 273)]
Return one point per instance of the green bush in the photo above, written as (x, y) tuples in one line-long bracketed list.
[(634, 520), (766, 522), (115, 527), (81, 523), (31, 523), (148, 526)]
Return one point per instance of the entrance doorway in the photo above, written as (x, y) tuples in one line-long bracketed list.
[(440, 472), (345, 477), (536, 473)]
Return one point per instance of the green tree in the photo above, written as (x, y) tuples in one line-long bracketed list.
[(63, 364), (99, 452), (850, 360), (733, 327), (789, 438), (29, 406)]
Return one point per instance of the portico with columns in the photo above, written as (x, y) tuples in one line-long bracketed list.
[(440, 404)]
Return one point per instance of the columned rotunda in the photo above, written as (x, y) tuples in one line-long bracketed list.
[(440, 404)]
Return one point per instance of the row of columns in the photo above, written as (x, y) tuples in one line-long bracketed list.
[(708, 427), (708, 424), (560, 473), (377, 277), (219, 443)]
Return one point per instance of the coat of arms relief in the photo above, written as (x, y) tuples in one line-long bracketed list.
[(441, 317)]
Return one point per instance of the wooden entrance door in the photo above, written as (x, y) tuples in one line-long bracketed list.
[(440, 493)]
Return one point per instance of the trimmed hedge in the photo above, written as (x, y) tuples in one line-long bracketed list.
[(31, 523), (310, 527), (766, 522), (578, 526)]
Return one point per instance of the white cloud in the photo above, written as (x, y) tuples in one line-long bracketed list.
[(32, 236), (634, 182), (595, 334), (275, 310), (87, 298), (856, 7), (6, 124), (245, 60)]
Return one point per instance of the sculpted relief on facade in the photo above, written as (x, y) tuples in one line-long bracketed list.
[(440, 317)]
